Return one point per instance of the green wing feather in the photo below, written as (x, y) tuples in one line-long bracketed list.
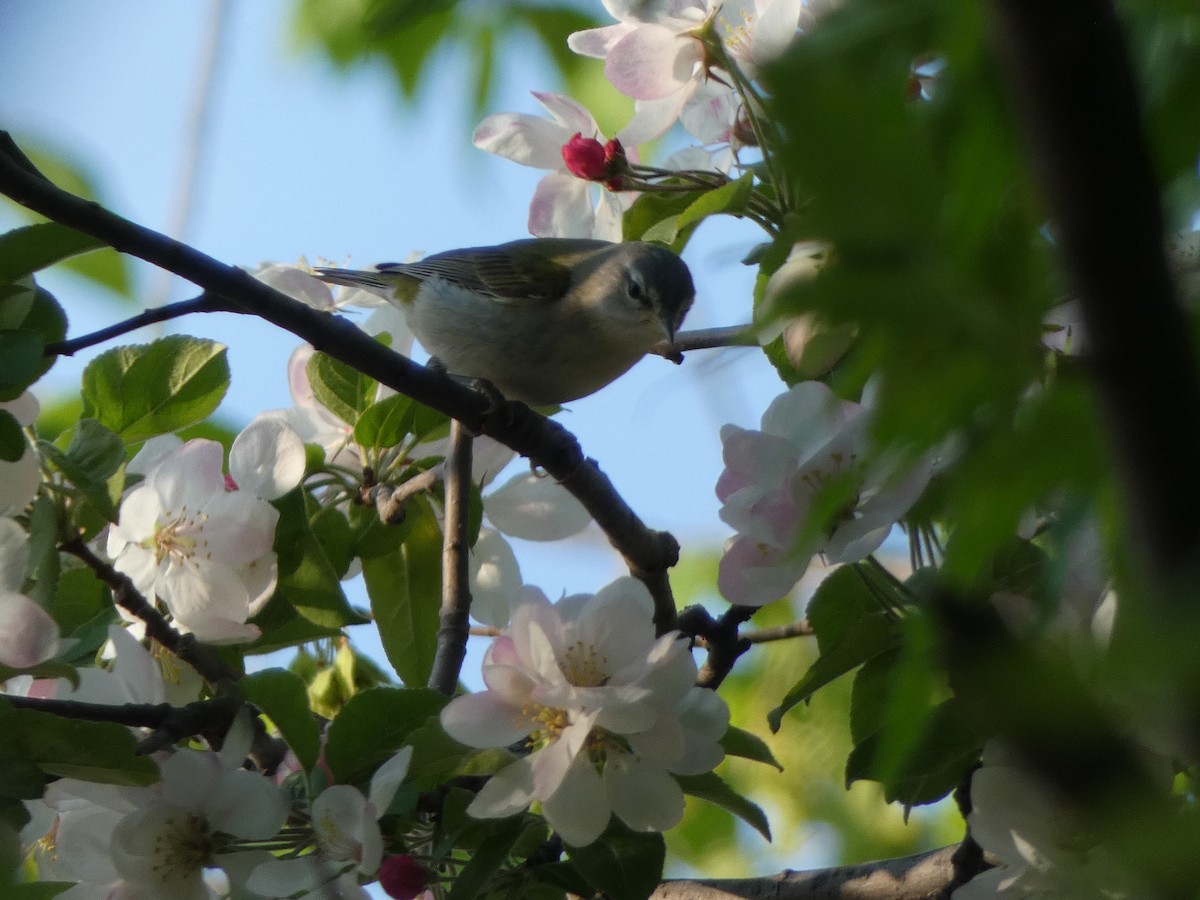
[(535, 269)]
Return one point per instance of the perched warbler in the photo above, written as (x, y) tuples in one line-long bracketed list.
[(545, 320)]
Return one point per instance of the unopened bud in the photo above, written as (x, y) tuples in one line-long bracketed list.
[(584, 157), (401, 877)]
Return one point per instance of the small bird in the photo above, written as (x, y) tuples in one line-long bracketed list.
[(544, 320)]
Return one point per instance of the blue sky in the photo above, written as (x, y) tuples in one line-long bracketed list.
[(300, 160)]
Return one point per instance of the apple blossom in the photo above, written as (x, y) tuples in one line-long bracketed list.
[(206, 551), (772, 477), (609, 712), (1041, 845), (562, 204), (28, 634), (346, 830)]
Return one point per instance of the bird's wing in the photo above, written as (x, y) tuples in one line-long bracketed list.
[(510, 272)]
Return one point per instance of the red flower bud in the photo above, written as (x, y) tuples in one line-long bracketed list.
[(401, 878), (585, 158)]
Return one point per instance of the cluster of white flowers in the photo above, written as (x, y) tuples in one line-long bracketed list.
[(810, 439), (200, 541), (608, 712)]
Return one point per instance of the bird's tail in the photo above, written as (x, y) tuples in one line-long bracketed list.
[(351, 278)]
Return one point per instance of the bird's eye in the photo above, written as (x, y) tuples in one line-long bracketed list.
[(636, 291)]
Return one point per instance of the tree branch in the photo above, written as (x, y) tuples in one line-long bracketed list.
[(125, 595), (921, 877), (1074, 85), (453, 628), (202, 304), (647, 553)]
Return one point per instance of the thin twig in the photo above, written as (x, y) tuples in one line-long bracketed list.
[(203, 304), (453, 628), (125, 595), (389, 501), (708, 339)]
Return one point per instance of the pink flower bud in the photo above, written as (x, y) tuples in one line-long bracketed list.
[(230, 484), (585, 158), (402, 878)]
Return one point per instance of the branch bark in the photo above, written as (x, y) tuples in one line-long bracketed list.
[(454, 626), (925, 876), (1074, 86)]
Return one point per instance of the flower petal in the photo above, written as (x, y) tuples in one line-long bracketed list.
[(536, 508), (267, 458)]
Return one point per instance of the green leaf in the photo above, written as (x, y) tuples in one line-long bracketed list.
[(386, 423), (405, 590), (12, 439), (307, 579), (729, 198), (623, 864), (656, 216), (373, 725), (851, 627), (102, 752), (25, 307), (144, 390), (283, 696), (44, 563), (712, 788), (342, 390), (21, 355), (486, 859), (935, 765), (436, 755), (38, 890), (92, 457), (25, 250), (742, 743)]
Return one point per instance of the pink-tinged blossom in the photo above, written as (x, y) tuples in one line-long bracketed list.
[(562, 202), (656, 54), (609, 712), (809, 439), (28, 634), (203, 550)]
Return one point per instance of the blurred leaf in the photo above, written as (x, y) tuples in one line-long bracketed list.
[(144, 390), (12, 438), (283, 697), (20, 361), (405, 587), (373, 725), (26, 250), (935, 765), (105, 266), (710, 787)]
